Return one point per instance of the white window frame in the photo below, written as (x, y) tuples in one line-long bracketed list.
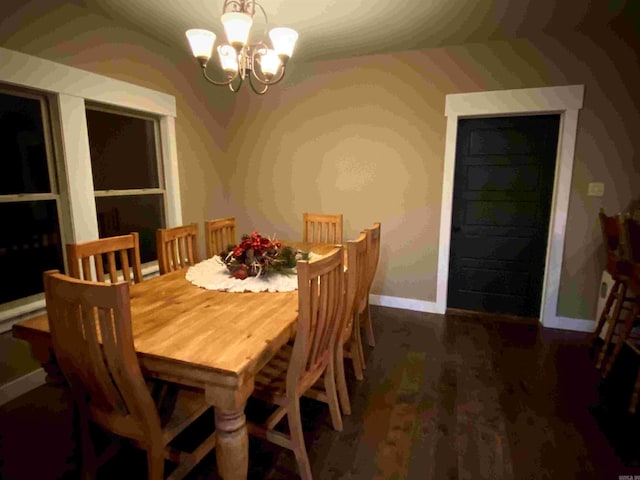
[(70, 88)]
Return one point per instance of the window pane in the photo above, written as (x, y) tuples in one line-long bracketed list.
[(132, 213), (23, 154), (29, 245), (123, 151)]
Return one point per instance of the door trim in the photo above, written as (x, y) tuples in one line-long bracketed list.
[(567, 101)]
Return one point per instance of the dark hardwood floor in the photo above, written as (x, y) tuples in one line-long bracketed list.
[(444, 397)]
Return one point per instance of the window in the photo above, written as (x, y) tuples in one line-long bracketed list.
[(30, 240), (48, 200), (127, 176)]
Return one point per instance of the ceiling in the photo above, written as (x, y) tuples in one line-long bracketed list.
[(345, 28)]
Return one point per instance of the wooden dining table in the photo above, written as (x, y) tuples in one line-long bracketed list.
[(213, 340)]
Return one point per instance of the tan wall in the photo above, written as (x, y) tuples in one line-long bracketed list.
[(365, 136)]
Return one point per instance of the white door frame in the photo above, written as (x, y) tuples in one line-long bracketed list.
[(567, 101)]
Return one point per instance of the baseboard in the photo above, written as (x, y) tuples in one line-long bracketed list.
[(561, 323), (21, 385), (574, 324), (404, 303)]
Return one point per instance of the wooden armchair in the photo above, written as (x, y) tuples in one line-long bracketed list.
[(295, 369), (177, 247), (104, 252), (92, 340), (220, 233), (321, 228)]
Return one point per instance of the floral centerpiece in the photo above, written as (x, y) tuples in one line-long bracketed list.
[(256, 255)]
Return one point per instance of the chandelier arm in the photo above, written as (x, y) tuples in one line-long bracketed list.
[(235, 5), (253, 87), (211, 80), (236, 89)]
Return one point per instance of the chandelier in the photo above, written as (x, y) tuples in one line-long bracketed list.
[(239, 59)]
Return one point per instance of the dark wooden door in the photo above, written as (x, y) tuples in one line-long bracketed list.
[(501, 205)]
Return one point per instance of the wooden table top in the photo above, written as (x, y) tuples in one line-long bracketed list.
[(229, 333)]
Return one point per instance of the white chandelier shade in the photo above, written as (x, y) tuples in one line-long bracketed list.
[(201, 42), (284, 40), (239, 57), (237, 27)]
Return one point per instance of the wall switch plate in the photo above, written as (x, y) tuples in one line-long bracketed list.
[(596, 189)]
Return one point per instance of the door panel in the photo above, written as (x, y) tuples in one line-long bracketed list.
[(502, 201)]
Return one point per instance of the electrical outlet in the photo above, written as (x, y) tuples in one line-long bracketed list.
[(596, 189)]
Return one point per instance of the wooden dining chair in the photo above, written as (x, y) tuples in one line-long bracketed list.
[(321, 228), (91, 260), (373, 254), (347, 346), (92, 338), (177, 247), (631, 282), (620, 269), (626, 339), (296, 368), (220, 233)]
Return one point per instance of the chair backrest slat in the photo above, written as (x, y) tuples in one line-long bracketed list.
[(177, 247), (220, 233), (84, 257), (113, 271), (322, 228), (320, 303)]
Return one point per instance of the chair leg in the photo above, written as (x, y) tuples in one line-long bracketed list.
[(332, 396), (155, 462), (297, 439), (612, 319), (624, 333), (357, 333), (356, 357), (605, 311), (368, 326), (341, 381), (89, 460)]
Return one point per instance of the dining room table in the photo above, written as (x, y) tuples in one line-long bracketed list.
[(209, 339)]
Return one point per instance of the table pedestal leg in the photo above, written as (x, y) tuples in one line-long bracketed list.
[(232, 445)]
